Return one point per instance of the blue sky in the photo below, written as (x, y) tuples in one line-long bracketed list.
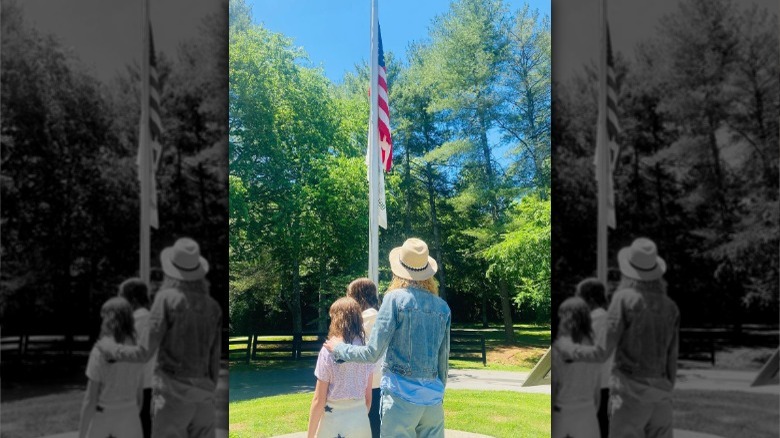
[(106, 34), (335, 33)]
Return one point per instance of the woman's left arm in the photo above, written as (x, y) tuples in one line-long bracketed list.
[(369, 390), (317, 407), (444, 352)]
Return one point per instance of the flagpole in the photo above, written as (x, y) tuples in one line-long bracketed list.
[(373, 156), (145, 159), (602, 148)]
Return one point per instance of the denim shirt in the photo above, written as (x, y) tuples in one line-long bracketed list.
[(186, 327), (643, 330), (413, 325)]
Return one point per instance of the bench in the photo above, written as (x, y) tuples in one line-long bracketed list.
[(467, 345)]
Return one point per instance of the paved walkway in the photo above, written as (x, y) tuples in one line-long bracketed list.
[(688, 434), (721, 380), (248, 385)]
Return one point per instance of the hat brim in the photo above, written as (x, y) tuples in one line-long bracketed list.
[(631, 271), (401, 271), (178, 273)]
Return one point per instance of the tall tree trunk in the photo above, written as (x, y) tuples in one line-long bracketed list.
[(295, 280), (721, 189), (660, 193), (408, 194), (484, 310), (506, 309), (488, 169), (436, 235), (322, 325)]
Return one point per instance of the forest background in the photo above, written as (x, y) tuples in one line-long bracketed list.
[(470, 119)]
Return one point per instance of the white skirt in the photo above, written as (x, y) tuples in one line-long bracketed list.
[(578, 420), (346, 418), (117, 422)]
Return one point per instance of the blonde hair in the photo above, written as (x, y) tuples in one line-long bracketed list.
[(346, 320), (652, 286), (429, 284), (199, 286), (118, 322)]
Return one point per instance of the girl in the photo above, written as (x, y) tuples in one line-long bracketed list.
[(575, 388), (364, 292), (342, 396), (112, 402)]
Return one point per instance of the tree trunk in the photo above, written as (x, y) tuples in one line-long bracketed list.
[(506, 309), (436, 235), (488, 169), (295, 283), (295, 296), (322, 325), (660, 193), (484, 310), (408, 194)]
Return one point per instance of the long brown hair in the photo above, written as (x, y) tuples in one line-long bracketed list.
[(346, 321), (363, 291), (430, 284), (118, 322), (574, 314)]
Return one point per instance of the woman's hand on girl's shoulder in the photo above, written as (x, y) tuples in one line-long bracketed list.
[(106, 346), (331, 343)]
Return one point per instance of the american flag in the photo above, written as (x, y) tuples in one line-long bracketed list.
[(612, 130), (385, 140), (155, 130)]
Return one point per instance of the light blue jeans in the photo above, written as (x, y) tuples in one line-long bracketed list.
[(401, 419)]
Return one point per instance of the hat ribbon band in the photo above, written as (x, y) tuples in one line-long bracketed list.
[(411, 268), (185, 269), (638, 268)]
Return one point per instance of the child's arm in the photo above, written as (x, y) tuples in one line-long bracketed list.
[(88, 406), (317, 407), (369, 391)]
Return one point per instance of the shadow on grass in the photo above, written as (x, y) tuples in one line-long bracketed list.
[(729, 414)]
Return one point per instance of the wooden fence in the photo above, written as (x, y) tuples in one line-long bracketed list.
[(305, 345)]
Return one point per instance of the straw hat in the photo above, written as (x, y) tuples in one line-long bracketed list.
[(640, 261), (183, 260), (412, 262)]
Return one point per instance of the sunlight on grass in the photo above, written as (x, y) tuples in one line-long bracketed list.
[(496, 413)]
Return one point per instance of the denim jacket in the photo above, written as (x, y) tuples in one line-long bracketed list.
[(413, 325), (186, 327), (643, 329)]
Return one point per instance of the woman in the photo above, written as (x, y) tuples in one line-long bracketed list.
[(643, 326), (414, 378), (364, 292)]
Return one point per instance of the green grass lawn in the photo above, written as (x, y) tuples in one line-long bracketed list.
[(495, 413), (726, 413)]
